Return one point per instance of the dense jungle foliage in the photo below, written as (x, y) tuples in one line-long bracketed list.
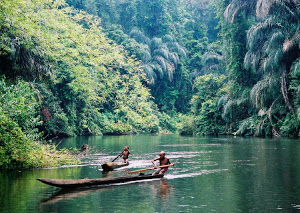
[(92, 67)]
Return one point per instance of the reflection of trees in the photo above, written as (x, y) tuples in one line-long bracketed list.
[(22, 185)]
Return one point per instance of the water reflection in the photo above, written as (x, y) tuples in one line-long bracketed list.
[(164, 189), (69, 194), (161, 189)]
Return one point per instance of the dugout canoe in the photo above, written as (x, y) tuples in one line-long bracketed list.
[(70, 183), (109, 166)]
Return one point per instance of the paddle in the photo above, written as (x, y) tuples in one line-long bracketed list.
[(142, 170), (117, 157)]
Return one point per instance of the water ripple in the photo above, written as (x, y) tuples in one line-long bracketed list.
[(203, 172)]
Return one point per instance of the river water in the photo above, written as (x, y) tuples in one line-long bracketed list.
[(223, 174)]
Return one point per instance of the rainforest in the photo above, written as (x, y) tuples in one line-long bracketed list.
[(99, 67)]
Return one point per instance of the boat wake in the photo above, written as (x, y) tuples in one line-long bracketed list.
[(203, 172)]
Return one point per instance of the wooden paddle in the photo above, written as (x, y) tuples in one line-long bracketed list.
[(117, 157), (142, 170)]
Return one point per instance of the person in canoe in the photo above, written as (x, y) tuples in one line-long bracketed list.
[(163, 161), (125, 154)]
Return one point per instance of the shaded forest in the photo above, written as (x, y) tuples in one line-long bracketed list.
[(94, 67)]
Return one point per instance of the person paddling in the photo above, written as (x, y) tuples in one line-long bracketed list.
[(163, 161), (125, 154)]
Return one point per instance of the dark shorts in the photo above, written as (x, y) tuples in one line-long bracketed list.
[(161, 170)]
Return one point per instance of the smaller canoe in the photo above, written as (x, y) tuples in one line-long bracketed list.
[(109, 166), (70, 183)]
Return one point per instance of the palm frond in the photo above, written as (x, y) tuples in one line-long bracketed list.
[(168, 38), (227, 109), (161, 52), (170, 71), (223, 100), (295, 69), (211, 58), (139, 36), (282, 9), (238, 6), (164, 46), (175, 47), (144, 47), (274, 51), (276, 41), (273, 61), (209, 68), (290, 44), (277, 58), (161, 61), (144, 51), (241, 101), (156, 67), (146, 57), (260, 91), (260, 127), (182, 51), (173, 57), (212, 62), (263, 8), (246, 125), (155, 43), (258, 33), (150, 74), (251, 60), (177, 57)]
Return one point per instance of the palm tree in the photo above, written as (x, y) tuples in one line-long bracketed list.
[(212, 62), (260, 8), (238, 6), (160, 56), (273, 44)]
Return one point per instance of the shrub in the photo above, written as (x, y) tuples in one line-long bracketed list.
[(18, 151)]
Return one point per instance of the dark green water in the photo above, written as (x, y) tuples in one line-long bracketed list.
[(211, 175)]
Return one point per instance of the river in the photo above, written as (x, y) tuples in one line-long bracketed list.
[(225, 174)]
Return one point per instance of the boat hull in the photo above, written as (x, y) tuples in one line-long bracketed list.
[(109, 166), (70, 183)]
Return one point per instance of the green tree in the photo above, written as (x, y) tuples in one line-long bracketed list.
[(205, 109), (161, 61), (79, 69), (160, 56), (272, 51)]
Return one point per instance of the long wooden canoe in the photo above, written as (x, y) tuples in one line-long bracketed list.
[(109, 166), (70, 183)]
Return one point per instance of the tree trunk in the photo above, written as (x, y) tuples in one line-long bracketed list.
[(284, 91)]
